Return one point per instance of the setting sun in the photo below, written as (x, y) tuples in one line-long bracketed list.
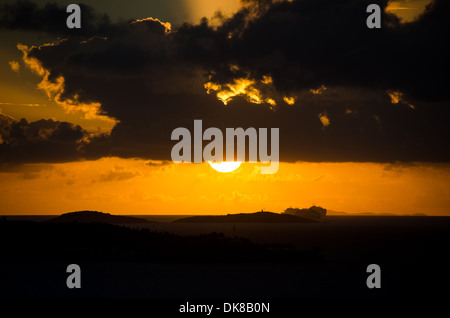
[(225, 166)]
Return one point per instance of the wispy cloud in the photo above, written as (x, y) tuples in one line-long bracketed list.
[(22, 104)]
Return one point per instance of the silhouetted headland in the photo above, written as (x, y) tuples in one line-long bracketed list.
[(98, 217), (258, 217)]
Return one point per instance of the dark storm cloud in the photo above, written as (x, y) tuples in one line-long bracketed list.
[(39, 141), (152, 81), (305, 44)]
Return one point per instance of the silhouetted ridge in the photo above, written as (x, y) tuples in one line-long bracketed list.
[(258, 217), (78, 241), (94, 216)]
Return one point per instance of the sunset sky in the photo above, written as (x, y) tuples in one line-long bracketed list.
[(86, 115)]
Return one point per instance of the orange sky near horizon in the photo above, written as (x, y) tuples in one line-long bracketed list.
[(129, 186)]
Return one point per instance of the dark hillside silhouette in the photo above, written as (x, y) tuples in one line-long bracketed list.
[(94, 216), (47, 241)]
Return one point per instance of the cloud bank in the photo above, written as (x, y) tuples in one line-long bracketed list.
[(310, 67)]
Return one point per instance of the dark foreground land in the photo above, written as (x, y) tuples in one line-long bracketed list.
[(50, 241), (323, 260)]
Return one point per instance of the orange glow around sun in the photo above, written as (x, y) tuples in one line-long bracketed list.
[(131, 186)]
